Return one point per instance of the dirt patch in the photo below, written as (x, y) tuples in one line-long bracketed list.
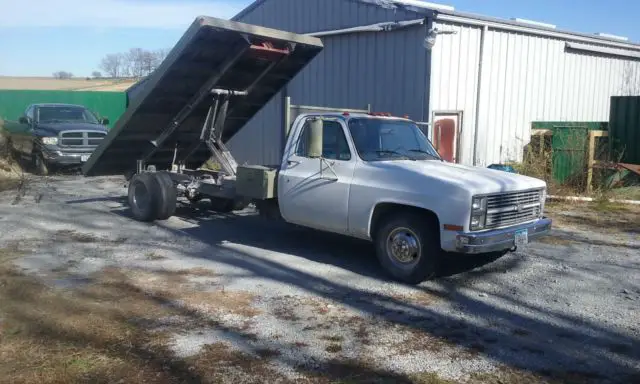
[(417, 341), (419, 298), (176, 287), (100, 331), (66, 235), (199, 272), (556, 240), (599, 216), (218, 363), (152, 256), (507, 375)]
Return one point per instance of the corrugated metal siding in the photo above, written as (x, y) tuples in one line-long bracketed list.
[(454, 79), (624, 128), (385, 69), (525, 78)]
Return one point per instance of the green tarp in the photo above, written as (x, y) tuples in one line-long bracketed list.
[(104, 104)]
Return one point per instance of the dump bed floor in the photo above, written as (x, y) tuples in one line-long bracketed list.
[(212, 54)]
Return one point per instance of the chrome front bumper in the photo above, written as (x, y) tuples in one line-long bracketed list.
[(66, 157), (500, 239)]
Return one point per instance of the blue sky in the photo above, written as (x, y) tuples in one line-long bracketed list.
[(38, 37)]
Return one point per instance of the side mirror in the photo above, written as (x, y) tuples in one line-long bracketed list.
[(23, 120), (314, 145), (104, 121)]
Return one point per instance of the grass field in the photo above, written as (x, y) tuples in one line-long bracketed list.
[(75, 84)]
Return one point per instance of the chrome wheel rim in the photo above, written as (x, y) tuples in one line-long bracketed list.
[(403, 246)]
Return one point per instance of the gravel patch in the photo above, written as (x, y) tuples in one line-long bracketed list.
[(569, 304)]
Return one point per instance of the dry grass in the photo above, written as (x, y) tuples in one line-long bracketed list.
[(95, 333), (76, 84), (174, 286), (598, 216)]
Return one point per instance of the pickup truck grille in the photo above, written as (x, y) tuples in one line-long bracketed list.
[(81, 138), (512, 208)]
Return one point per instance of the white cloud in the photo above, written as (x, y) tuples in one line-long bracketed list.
[(113, 13)]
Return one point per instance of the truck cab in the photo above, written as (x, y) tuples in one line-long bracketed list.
[(379, 178)]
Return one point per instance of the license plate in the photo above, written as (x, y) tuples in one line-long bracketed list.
[(522, 237), (84, 158)]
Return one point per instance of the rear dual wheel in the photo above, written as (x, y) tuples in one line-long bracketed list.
[(152, 196)]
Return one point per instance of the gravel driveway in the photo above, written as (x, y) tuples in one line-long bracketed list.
[(309, 303)]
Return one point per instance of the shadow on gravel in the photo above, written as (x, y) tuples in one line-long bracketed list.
[(506, 328), (535, 339)]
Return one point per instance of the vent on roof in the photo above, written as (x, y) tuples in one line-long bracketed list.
[(531, 22), (424, 4), (610, 36)]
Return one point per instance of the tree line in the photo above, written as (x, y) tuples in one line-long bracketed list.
[(136, 63)]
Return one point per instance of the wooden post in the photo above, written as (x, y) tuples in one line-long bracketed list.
[(591, 161)]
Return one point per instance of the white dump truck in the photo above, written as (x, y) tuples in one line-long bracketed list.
[(367, 175)]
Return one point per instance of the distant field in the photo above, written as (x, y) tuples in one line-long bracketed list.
[(77, 84)]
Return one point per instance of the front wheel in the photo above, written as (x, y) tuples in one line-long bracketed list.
[(408, 248), (40, 166)]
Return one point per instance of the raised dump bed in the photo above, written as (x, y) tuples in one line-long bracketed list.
[(220, 73)]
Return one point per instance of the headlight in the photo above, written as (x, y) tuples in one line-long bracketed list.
[(543, 199), (478, 213), (50, 140), (479, 204)]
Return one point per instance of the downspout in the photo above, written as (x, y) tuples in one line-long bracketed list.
[(377, 27), (476, 129), (426, 98)]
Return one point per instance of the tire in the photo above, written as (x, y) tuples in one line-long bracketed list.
[(168, 195), (416, 233), (40, 166), (145, 197)]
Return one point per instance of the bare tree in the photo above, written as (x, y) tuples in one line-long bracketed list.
[(96, 74), (62, 75), (135, 60), (113, 64)]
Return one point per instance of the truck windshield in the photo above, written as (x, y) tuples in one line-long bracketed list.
[(64, 114), (385, 139)]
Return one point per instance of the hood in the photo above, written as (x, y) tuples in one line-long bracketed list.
[(55, 128), (476, 180)]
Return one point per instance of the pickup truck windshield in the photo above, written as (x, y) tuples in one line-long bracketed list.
[(385, 139), (63, 114)]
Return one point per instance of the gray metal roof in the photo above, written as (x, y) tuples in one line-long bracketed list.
[(429, 10)]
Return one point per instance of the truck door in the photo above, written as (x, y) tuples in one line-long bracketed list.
[(24, 133), (314, 192)]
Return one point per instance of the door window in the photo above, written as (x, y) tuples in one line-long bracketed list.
[(29, 113), (334, 142)]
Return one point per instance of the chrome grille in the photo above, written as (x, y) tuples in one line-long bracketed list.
[(512, 208), (81, 138)]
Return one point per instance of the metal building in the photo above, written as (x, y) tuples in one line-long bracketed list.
[(476, 82)]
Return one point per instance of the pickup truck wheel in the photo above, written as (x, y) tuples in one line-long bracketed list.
[(144, 197), (40, 165), (407, 248), (168, 195)]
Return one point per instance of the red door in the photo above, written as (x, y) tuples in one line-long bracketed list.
[(444, 138)]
